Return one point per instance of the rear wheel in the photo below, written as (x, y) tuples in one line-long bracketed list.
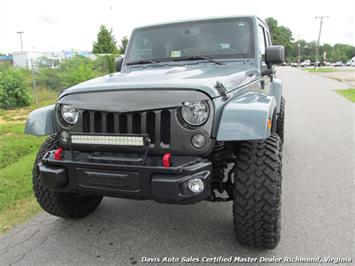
[(70, 205), (281, 120), (257, 193)]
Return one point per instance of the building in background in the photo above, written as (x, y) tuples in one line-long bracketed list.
[(23, 59), (51, 59)]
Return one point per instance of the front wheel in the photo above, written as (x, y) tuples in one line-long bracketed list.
[(69, 205), (257, 193)]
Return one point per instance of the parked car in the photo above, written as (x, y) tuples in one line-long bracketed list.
[(294, 64), (306, 63), (179, 110), (339, 64), (351, 62)]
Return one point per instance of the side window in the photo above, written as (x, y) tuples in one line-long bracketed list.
[(261, 40), (262, 45), (268, 38)]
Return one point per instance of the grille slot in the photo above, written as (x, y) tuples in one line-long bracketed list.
[(150, 124), (97, 122), (110, 123), (165, 131), (123, 124), (157, 124)]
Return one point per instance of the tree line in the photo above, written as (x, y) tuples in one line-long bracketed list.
[(282, 35), (15, 84)]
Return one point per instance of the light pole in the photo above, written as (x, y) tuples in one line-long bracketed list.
[(299, 54), (320, 31), (20, 33)]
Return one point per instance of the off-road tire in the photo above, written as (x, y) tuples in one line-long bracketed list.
[(257, 193), (69, 205), (281, 120)]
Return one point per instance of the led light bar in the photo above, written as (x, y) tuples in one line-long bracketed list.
[(107, 140)]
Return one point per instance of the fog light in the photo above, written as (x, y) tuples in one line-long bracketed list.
[(64, 136), (195, 185), (198, 141)]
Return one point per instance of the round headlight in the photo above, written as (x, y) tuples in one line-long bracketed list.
[(195, 113), (69, 114)]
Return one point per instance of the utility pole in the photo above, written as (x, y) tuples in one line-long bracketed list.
[(20, 33), (320, 31)]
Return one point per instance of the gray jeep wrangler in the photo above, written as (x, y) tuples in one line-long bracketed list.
[(193, 113)]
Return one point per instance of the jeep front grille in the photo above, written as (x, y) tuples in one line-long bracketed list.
[(157, 124)]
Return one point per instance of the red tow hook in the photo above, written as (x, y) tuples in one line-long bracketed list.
[(58, 154), (166, 160)]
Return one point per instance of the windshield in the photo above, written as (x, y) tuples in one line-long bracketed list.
[(223, 38)]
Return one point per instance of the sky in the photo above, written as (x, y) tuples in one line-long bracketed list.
[(55, 25)]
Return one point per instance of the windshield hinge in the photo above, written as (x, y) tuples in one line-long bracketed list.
[(221, 89)]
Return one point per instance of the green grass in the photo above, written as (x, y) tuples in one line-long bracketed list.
[(321, 70), (14, 144), (15, 181), (17, 155), (349, 94), (17, 213)]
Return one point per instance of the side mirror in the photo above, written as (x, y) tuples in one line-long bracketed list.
[(275, 54), (118, 63)]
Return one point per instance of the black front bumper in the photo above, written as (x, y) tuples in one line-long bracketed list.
[(100, 175)]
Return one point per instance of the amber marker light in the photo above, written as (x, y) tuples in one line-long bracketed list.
[(269, 123)]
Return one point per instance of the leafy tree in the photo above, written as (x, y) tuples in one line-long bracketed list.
[(14, 90), (106, 42), (71, 71), (280, 35), (123, 46), (283, 36), (104, 64)]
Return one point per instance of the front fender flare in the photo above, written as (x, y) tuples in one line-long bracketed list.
[(246, 117), (40, 122), (276, 90)]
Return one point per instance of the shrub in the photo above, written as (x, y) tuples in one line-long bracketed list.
[(49, 78), (14, 90), (76, 70)]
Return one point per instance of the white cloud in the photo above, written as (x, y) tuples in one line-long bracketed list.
[(47, 19), (63, 24)]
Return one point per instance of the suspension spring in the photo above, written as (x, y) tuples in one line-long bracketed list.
[(218, 163)]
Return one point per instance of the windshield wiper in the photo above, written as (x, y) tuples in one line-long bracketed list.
[(141, 62), (198, 57)]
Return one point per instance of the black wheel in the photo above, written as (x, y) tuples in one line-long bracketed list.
[(281, 120), (257, 193), (69, 205)]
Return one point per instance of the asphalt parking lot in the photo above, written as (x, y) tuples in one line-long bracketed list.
[(317, 208)]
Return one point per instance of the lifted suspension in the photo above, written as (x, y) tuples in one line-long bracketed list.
[(219, 159)]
